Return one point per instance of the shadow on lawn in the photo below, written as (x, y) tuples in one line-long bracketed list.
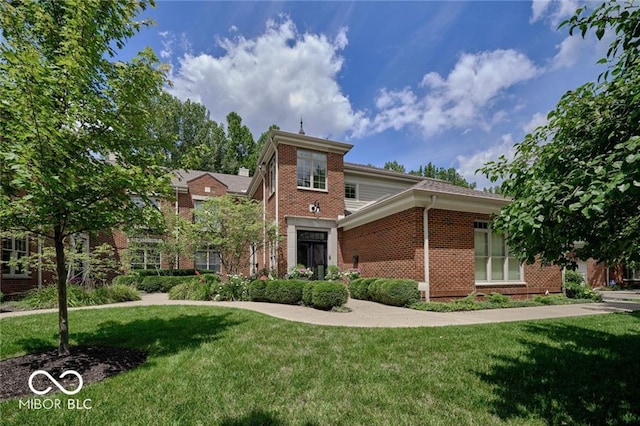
[(583, 376), (156, 336), (257, 417)]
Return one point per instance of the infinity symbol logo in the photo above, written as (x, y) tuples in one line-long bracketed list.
[(55, 382)]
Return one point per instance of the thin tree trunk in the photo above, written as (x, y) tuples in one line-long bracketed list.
[(63, 315)]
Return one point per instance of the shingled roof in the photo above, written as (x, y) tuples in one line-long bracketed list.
[(234, 183), (436, 185)]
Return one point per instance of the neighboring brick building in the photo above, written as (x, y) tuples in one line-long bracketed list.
[(330, 212)]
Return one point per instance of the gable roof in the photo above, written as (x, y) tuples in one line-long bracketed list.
[(234, 183), (428, 193)]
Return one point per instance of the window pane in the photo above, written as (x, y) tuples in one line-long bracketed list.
[(481, 268), (6, 257), (350, 190), (514, 269), (497, 268), (319, 177), (481, 243), (497, 245), (304, 173)]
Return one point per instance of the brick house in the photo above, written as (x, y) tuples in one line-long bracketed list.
[(332, 212)]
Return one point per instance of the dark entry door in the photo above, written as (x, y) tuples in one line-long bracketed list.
[(312, 251)]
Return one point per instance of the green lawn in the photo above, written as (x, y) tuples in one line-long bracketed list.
[(233, 367)]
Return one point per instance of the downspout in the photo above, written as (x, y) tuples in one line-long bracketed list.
[(425, 221)]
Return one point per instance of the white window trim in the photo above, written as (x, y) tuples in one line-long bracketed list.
[(356, 190), (148, 242), (311, 181), (496, 283), (272, 176), (209, 252), (25, 273)]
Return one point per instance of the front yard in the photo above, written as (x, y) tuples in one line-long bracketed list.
[(224, 366)]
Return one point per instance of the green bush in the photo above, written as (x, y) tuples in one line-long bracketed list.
[(193, 289), (580, 291), (284, 291), (374, 289), (329, 294), (161, 284), (170, 272), (498, 299), (47, 296), (235, 288), (573, 277), (257, 291), (333, 273), (396, 292), (307, 293), (359, 288), (132, 280), (115, 293), (1, 297)]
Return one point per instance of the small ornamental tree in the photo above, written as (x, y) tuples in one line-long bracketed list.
[(74, 123), (577, 178), (235, 227)]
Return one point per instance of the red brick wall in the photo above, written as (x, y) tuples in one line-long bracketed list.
[(451, 253), (392, 247), (293, 201)]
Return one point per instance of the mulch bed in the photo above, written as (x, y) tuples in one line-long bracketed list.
[(94, 363)]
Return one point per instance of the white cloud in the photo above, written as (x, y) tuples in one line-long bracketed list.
[(536, 121), (553, 11), (171, 41), (569, 52), (467, 165), (464, 98), (275, 78)]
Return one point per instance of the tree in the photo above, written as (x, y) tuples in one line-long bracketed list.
[(394, 166), (235, 228), (448, 175), (75, 123), (575, 182)]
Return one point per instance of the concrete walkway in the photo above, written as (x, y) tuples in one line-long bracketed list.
[(369, 314)]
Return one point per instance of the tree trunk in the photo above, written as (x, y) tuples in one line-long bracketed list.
[(63, 315)]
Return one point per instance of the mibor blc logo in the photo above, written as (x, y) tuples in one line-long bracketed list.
[(55, 403), (55, 382)]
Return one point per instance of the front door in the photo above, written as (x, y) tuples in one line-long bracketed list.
[(312, 252)]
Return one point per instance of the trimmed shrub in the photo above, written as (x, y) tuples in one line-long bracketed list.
[(374, 289), (161, 284), (573, 277), (307, 293), (396, 292), (194, 289), (131, 280), (359, 288), (257, 290), (170, 272), (329, 294), (581, 291), (284, 291)]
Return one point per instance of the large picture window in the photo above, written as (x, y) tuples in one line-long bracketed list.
[(312, 170), (14, 249), (493, 262)]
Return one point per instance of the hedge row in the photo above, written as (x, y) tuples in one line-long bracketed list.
[(394, 292), (318, 294), (170, 272)]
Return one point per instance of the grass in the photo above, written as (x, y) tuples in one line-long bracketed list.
[(232, 367), (47, 296)]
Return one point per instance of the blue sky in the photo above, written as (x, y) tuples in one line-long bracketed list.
[(451, 82)]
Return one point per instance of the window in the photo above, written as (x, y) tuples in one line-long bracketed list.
[(14, 248), (312, 170), (145, 255), (493, 262), (272, 176), (350, 191), (207, 259), (140, 202)]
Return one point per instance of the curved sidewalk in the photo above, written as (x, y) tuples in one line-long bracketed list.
[(370, 314)]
